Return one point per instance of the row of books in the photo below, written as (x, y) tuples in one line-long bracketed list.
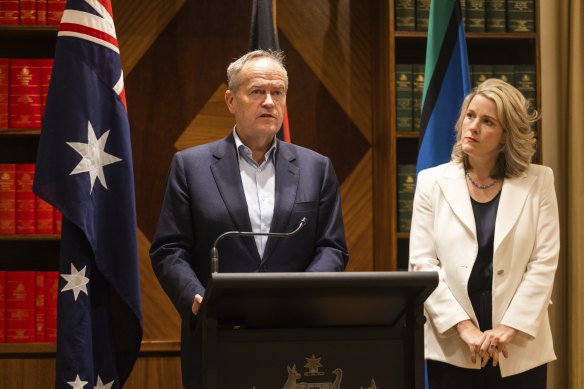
[(409, 79), (479, 15), (21, 211), (406, 184), (24, 83), (28, 306), (31, 11)]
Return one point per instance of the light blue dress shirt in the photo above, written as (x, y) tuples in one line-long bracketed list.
[(259, 185)]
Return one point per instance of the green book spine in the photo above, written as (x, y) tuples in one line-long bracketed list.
[(418, 70), (480, 73), (525, 81), (403, 97), (475, 15), (505, 73), (405, 15), (520, 16), (496, 16), (422, 15), (406, 180)]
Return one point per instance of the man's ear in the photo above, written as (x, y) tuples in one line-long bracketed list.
[(229, 97)]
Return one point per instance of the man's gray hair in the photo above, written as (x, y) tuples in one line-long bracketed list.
[(235, 67)]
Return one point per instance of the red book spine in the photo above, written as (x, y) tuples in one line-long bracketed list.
[(44, 217), (46, 70), (28, 12), (55, 10), (41, 12), (20, 306), (7, 198), (51, 292), (58, 221), (25, 223), (4, 64), (39, 306), (2, 306), (9, 10), (25, 93)]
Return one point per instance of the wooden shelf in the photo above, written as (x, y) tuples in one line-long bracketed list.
[(473, 35), (407, 134), (30, 237), (48, 350), (27, 350), (32, 132)]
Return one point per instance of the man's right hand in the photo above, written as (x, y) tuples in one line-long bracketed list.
[(197, 303)]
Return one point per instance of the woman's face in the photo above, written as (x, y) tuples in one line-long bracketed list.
[(482, 134)]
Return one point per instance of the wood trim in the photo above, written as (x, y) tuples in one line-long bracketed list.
[(384, 166), (48, 350)]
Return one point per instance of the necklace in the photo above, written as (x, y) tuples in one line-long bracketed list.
[(477, 185)]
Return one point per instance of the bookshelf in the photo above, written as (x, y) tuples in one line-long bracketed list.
[(26, 252), (520, 49)]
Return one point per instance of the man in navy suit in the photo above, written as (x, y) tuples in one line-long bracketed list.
[(248, 181)]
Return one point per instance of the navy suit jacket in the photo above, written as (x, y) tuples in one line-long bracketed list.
[(204, 198)]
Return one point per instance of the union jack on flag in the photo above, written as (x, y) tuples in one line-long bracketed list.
[(84, 168)]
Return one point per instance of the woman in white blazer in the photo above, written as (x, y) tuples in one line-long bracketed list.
[(487, 222)]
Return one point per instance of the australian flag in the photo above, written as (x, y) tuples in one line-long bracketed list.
[(84, 168)]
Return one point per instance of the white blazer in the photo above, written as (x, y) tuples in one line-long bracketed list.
[(443, 238)]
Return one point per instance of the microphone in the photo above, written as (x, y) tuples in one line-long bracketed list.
[(215, 252)]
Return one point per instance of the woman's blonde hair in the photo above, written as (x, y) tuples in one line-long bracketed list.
[(515, 116)]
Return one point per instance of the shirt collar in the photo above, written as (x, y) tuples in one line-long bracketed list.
[(239, 146)]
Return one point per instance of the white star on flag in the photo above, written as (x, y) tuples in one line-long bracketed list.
[(77, 384), (94, 156), (101, 385), (76, 281)]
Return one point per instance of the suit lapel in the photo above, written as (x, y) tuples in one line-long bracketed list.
[(513, 196), (225, 171), (287, 176), (453, 186)]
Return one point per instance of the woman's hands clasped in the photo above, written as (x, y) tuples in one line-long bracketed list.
[(486, 345)]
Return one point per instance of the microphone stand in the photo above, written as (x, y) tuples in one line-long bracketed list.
[(215, 252)]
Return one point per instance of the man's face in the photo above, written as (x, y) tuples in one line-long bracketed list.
[(258, 104)]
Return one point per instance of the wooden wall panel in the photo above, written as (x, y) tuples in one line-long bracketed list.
[(334, 39), (160, 320), (170, 85), (210, 124), (27, 373), (153, 370), (156, 372), (138, 24), (357, 200)]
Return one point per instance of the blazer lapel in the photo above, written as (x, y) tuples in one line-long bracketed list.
[(287, 177), (513, 196), (226, 173), (453, 186)]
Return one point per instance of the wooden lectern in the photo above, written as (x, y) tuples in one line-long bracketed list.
[(314, 330)]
